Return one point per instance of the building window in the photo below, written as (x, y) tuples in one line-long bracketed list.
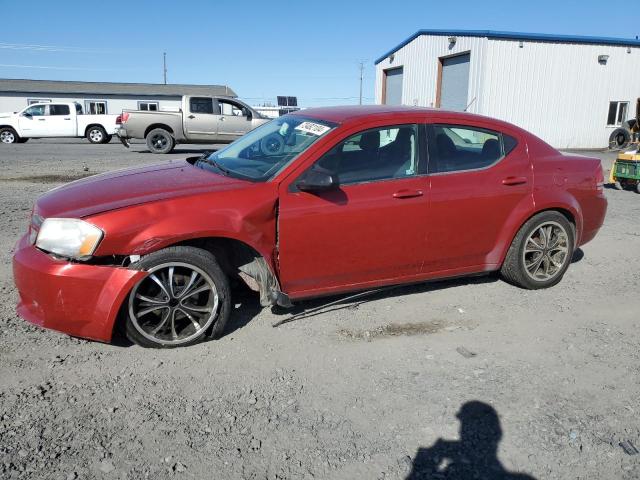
[(148, 106), (617, 113), (95, 107), (31, 101)]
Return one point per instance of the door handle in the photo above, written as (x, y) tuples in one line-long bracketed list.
[(191, 116), (41, 119), (510, 181), (408, 193), (67, 119), (222, 119)]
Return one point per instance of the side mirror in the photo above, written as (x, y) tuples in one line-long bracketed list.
[(27, 115), (318, 180), (247, 113)]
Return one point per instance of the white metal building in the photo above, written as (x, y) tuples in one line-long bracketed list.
[(101, 97), (571, 91)]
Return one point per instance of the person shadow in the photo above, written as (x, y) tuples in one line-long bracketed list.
[(474, 456)]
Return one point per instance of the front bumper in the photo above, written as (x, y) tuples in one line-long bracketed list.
[(77, 299)]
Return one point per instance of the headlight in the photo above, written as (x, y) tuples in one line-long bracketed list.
[(69, 237)]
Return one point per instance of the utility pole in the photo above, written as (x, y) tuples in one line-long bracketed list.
[(361, 75), (164, 65)]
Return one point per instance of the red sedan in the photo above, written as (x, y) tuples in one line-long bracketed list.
[(320, 202)]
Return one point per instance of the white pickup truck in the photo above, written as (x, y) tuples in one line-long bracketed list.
[(57, 119)]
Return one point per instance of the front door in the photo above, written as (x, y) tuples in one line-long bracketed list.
[(369, 231), (33, 121), (478, 179), (234, 120), (201, 121)]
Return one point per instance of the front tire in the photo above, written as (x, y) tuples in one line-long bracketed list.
[(8, 135), (184, 298), (96, 134), (541, 252), (160, 141)]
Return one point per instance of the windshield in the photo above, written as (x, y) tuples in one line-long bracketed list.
[(264, 152)]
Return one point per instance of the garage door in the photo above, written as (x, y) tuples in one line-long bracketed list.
[(393, 86), (455, 82)]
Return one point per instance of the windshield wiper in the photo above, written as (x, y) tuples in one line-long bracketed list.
[(205, 158)]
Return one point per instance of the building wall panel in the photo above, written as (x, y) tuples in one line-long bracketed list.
[(556, 90), (559, 91), (420, 60), (13, 102)]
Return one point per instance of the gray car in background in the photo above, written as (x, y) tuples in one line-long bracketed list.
[(200, 120)]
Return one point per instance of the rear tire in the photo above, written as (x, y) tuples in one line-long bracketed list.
[(8, 135), (160, 141), (107, 139), (540, 252), (96, 134), (185, 287)]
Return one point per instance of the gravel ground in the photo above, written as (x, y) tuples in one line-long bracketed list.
[(476, 373)]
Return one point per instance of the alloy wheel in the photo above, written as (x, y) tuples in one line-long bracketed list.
[(546, 251), (159, 141), (174, 303), (95, 135), (7, 137)]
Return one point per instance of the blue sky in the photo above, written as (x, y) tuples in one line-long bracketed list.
[(310, 49)]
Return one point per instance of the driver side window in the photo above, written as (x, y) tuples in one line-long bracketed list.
[(377, 154), (36, 110), (229, 108)]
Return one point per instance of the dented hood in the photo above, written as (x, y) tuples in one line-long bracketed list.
[(132, 186)]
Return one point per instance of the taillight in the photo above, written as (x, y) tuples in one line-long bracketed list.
[(599, 179), (122, 118)]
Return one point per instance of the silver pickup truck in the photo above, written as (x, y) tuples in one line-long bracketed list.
[(200, 120)]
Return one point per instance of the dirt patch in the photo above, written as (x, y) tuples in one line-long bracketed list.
[(47, 178), (395, 330)]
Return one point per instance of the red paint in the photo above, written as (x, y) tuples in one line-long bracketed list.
[(81, 300), (360, 236)]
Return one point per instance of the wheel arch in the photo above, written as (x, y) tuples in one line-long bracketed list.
[(91, 125), (567, 211), (232, 255), (163, 126)]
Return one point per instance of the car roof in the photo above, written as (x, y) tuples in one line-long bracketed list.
[(354, 113), (348, 113)]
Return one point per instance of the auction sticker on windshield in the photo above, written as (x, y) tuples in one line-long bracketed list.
[(312, 128)]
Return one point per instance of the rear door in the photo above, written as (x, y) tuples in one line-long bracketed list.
[(369, 231), (201, 119), (60, 121), (234, 120), (479, 177)]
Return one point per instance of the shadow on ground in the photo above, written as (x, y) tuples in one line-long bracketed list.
[(474, 456)]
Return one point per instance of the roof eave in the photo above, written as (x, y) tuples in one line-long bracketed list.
[(493, 34)]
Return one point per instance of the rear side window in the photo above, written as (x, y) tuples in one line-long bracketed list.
[(454, 148), (201, 105), (59, 109)]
